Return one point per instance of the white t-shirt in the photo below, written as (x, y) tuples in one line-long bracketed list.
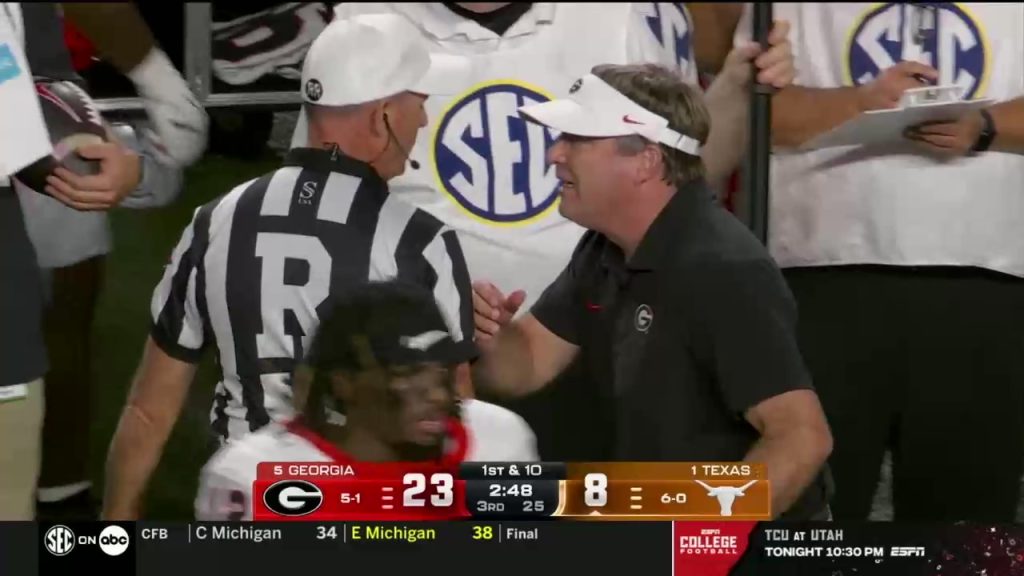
[(898, 206), (23, 138), (482, 167), (493, 434)]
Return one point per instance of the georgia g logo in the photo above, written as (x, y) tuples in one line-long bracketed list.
[(490, 160), (293, 498), (941, 34)]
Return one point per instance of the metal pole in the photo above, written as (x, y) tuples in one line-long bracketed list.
[(759, 153), (199, 48)]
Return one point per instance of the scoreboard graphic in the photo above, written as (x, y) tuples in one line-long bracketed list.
[(512, 518), (512, 490)]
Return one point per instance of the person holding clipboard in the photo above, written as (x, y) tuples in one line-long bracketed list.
[(906, 256)]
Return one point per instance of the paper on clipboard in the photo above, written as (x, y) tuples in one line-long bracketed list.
[(932, 104)]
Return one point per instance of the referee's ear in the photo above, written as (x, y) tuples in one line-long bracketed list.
[(379, 121)]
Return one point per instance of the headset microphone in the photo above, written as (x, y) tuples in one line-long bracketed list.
[(414, 164)]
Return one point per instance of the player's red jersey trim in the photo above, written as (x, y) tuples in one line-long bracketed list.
[(322, 444), (457, 434)]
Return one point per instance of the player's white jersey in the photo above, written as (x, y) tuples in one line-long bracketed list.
[(493, 434), (483, 169), (896, 205)]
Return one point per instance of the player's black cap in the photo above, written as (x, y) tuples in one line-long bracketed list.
[(391, 323)]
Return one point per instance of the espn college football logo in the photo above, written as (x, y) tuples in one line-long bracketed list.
[(293, 498)]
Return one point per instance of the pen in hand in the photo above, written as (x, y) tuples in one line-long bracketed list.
[(925, 81)]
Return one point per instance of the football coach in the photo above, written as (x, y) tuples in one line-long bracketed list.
[(679, 313)]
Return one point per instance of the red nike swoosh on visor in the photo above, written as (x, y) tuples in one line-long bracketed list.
[(629, 120)]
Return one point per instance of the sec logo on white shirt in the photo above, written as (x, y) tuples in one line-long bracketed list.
[(944, 35), (491, 161), (670, 24)]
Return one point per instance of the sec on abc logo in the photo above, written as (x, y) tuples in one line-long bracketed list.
[(293, 498), (60, 540), (114, 540)]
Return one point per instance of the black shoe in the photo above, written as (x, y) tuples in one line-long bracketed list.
[(81, 506)]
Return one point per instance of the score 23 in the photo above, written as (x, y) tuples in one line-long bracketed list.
[(416, 484)]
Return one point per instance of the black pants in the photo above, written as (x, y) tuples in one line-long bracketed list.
[(927, 362), (68, 328)]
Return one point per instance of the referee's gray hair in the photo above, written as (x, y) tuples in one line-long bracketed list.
[(663, 92), (318, 111)]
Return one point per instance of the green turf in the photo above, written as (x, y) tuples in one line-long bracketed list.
[(143, 241)]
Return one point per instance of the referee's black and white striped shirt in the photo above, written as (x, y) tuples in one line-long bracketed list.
[(253, 271)]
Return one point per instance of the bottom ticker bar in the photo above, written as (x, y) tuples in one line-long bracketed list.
[(471, 548), (449, 548)]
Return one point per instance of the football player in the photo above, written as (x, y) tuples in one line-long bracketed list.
[(255, 268), (385, 354)]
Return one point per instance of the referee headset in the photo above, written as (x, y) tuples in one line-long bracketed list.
[(391, 137)]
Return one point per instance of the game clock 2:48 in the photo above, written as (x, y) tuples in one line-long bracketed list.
[(515, 489)]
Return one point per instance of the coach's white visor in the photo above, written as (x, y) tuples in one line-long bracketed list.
[(594, 109), (373, 56)]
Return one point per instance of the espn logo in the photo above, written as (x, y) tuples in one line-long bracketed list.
[(907, 552)]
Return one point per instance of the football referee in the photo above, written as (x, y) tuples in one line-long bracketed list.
[(254, 269)]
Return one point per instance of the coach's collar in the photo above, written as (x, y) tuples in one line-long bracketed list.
[(328, 160), (663, 238)]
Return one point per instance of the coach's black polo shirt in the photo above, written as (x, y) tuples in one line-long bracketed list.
[(695, 329)]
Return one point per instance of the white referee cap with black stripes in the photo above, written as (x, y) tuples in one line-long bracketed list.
[(373, 56), (597, 110)]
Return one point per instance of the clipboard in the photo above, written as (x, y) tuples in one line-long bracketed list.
[(917, 106)]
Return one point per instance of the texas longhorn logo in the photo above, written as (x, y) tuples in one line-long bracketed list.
[(727, 495)]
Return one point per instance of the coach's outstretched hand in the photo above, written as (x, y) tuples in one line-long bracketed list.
[(492, 309)]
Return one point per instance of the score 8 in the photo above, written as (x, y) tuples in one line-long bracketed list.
[(595, 492)]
